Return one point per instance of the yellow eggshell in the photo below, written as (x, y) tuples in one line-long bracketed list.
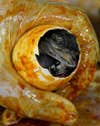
[(26, 64)]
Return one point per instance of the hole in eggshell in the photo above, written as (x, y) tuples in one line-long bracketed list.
[(58, 52)]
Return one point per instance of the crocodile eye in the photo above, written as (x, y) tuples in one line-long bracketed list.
[(58, 52)]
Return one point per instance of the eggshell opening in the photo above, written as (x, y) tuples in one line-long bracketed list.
[(26, 63)]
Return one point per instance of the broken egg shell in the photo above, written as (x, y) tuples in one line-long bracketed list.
[(26, 64)]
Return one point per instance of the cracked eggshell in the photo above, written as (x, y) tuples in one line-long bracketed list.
[(28, 67)]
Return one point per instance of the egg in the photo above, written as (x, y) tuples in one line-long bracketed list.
[(34, 56)]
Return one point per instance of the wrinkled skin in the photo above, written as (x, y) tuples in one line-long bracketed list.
[(15, 93)]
